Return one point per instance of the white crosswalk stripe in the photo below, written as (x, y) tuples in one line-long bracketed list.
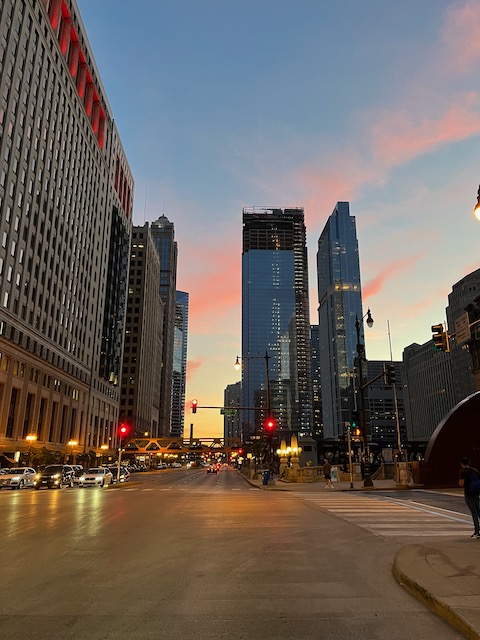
[(391, 517)]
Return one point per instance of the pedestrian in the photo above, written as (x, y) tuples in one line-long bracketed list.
[(327, 474), (468, 476)]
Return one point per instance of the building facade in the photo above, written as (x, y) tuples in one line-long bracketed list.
[(163, 232), (276, 363), (316, 382), (384, 406), (232, 427), (429, 389), (464, 293), (339, 305), (66, 197), (141, 370), (180, 343)]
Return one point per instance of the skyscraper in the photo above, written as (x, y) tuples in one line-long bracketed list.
[(340, 303), (163, 233), (276, 371), (180, 342), (141, 371), (66, 197)]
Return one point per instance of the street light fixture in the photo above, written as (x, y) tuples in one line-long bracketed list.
[(30, 439), (367, 482), (72, 443), (476, 211)]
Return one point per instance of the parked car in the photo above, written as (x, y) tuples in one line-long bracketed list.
[(55, 476), (17, 478), (78, 471), (124, 474), (96, 477)]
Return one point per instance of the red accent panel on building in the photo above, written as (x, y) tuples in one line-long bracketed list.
[(81, 79), (95, 114), (73, 58), (54, 14), (101, 130), (89, 98), (65, 35)]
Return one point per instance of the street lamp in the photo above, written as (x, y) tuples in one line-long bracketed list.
[(476, 211), (367, 482), (72, 443), (266, 357), (30, 439)]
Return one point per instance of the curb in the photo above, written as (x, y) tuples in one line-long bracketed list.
[(436, 605)]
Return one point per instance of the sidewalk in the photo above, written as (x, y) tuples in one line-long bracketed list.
[(444, 576)]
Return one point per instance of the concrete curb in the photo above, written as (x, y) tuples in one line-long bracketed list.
[(425, 596)]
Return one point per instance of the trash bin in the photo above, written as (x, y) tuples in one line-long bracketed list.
[(266, 477)]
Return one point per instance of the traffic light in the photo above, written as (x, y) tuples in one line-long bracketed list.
[(357, 433), (355, 420), (389, 374), (123, 431), (270, 424), (194, 406), (440, 338)]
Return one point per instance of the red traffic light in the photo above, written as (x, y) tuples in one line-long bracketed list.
[(270, 424), (194, 406), (123, 430)]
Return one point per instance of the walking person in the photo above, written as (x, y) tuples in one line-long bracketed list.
[(468, 476), (327, 474)]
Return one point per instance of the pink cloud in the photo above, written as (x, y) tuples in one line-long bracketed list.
[(376, 285), (193, 366), (213, 281), (398, 137), (460, 34)]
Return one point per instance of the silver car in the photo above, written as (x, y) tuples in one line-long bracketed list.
[(95, 477), (17, 478)]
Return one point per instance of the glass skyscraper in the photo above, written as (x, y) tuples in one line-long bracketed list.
[(180, 341), (276, 371), (340, 303)]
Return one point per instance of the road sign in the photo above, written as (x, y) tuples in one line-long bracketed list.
[(462, 329), (228, 412)]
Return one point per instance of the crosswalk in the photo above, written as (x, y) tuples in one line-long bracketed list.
[(391, 517)]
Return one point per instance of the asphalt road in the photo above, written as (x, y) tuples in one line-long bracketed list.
[(184, 554)]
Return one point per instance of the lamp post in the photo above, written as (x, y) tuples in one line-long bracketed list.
[(367, 482), (266, 357), (71, 444), (30, 439), (476, 211)]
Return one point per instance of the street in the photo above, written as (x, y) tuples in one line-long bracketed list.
[(182, 553)]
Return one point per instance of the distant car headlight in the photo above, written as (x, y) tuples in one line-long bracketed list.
[(56, 476), (37, 477), (81, 479)]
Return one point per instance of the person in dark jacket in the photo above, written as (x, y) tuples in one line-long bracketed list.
[(467, 473)]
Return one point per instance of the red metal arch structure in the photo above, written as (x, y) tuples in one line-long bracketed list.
[(457, 436)]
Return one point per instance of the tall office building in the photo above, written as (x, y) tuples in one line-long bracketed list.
[(463, 293), (317, 429), (66, 195), (275, 320), (180, 342), (232, 418), (141, 371), (340, 303), (164, 237)]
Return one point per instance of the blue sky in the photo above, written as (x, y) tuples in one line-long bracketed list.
[(223, 104)]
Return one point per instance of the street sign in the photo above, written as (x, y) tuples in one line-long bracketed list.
[(228, 412), (462, 329)]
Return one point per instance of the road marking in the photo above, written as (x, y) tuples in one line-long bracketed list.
[(391, 517)]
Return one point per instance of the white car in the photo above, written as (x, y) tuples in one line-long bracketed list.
[(96, 477), (17, 478)]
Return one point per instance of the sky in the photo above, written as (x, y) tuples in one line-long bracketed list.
[(225, 104)]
